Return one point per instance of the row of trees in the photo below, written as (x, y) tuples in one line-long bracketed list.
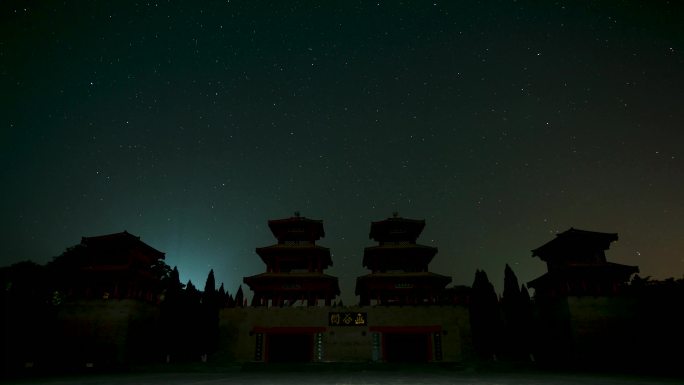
[(636, 330), (191, 317), (501, 327), (32, 297)]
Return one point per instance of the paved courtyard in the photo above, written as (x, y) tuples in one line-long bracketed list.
[(349, 377)]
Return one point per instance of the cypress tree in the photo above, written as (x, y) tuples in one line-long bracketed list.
[(221, 296), (239, 297), (209, 294), (209, 316), (485, 316), (174, 287), (527, 344), (173, 317), (511, 293), (190, 335), (511, 305)]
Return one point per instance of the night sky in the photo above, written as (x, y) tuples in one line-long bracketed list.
[(192, 123)]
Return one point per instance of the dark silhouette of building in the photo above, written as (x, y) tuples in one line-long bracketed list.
[(583, 312), (107, 290), (111, 300), (294, 266), (399, 266), (271, 331), (577, 266), (115, 266)]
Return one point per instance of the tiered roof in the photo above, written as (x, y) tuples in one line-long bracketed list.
[(297, 228), (116, 265), (119, 244), (577, 265), (571, 243), (396, 229), (399, 266), (295, 265)]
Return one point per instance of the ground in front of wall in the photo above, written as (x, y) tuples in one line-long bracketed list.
[(347, 375)]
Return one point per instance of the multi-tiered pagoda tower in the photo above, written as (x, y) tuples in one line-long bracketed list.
[(294, 266), (399, 266)]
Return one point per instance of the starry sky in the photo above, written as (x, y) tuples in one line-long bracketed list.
[(192, 123)]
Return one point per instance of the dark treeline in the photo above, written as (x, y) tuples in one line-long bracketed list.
[(42, 329), (639, 330), (26, 302), (501, 327)]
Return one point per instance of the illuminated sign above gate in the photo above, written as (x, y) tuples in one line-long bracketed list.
[(347, 319)]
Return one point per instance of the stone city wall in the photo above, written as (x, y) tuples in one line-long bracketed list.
[(239, 329)]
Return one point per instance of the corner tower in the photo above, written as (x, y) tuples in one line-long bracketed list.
[(577, 265)]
